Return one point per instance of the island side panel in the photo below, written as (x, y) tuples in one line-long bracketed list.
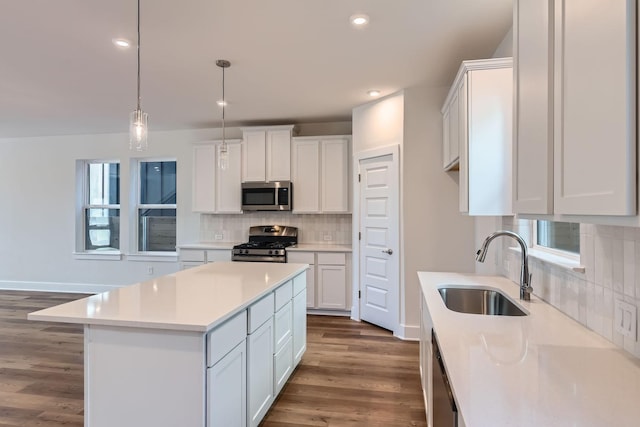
[(143, 377)]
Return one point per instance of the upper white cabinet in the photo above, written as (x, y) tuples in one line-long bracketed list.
[(321, 174), (575, 151), (477, 114), (266, 154), (216, 190)]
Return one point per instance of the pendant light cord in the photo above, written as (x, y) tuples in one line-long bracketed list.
[(138, 55), (224, 102)]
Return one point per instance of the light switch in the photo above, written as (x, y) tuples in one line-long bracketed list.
[(625, 318)]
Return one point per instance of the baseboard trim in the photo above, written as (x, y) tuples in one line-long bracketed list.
[(328, 312), (76, 288), (408, 332)]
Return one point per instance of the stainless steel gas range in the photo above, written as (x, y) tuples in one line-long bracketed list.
[(267, 243)]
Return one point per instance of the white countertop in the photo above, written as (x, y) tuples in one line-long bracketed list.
[(319, 247), (301, 247), (196, 299), (544, 369)]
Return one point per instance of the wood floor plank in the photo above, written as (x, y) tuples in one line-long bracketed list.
[(353, 374)]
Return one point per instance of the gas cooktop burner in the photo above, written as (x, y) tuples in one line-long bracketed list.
[(266, 243)]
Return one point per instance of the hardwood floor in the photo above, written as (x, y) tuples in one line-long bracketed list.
[(353, 374)]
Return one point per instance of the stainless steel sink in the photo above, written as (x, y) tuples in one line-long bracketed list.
[(479, 301)]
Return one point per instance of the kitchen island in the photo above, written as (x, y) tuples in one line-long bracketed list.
[(209, 346)]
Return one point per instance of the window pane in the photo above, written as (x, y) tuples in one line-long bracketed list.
[(104, 184), (102, 229), (564, 236), (158, 183), (157, 230)]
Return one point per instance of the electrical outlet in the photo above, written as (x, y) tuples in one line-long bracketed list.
[(625, 318), (219, 236), (150, 270), (327, 237)]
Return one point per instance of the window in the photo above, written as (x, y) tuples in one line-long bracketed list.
[(101, 206), (156, 209), (559, 237)]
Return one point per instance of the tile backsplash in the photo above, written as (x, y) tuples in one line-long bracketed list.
[(330, 229), (611, 257)]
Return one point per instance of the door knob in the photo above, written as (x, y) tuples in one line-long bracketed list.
[(387, 251)]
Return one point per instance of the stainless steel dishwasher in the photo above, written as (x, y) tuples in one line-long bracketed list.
[(445, 411)]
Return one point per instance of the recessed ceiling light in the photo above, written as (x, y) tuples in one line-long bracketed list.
[(222, 103), (373, 93), (121, 42), (359, 20)]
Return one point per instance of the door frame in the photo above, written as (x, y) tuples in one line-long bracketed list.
[(394, 151)]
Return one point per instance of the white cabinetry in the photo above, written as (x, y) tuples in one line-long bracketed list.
[(332, 281), (260, 359), (306, 258), (479, 107), (451, 132), (216, 190), (321, 174), (576, 107), (266, 154), (194, 257), (299, 318)]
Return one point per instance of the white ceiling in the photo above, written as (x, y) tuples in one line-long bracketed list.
[(292, 60)]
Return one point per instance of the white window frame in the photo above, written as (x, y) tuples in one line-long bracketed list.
[(136, 254), (82, 204), (553, 251)]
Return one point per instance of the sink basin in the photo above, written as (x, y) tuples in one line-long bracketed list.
[(479, 301)]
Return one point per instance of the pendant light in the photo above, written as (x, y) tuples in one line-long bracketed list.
[(223, 150), (138, 120)]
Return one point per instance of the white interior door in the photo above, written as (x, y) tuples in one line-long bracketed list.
[(379, 241)]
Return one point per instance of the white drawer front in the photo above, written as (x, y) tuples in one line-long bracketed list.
[(299, 283), (191, 255), (282, 365), (301, 257), (260, 312), (226, 337), (219, 255), (333, 258), (283, 321), (283, 295)]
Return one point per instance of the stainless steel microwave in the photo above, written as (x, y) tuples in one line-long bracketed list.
[(267, 196)]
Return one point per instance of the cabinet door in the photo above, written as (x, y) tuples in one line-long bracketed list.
[(595, 107), (278, 152), (227, 393), (228, 182), (335, 176), (446, 140), (283, 329), (533, 147), (299, 326), (253, 155), (489, 105), (311, 286), (306, 176), (332, 287), (204, 178), (458, 132), (282, 366), (260, 372)]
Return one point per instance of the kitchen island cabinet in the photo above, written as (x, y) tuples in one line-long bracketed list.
[(176, 350)]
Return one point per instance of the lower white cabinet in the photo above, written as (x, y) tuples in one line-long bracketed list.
[(260, 372), (328, 282), (227, 391), (283, 365), (189, 258), (300, 325)]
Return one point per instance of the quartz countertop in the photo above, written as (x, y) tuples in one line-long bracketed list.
[(319, 247), (544, 369), (196, 299)]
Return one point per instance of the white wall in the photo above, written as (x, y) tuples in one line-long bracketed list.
[(38, 190), (434, 235)]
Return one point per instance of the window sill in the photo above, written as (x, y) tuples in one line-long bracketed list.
[(154, 256), (98, 255), (558, 261)]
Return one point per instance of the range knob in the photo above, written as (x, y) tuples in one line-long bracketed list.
[(270, 252)]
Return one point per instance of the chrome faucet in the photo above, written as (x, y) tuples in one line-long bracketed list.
[(525, 277)]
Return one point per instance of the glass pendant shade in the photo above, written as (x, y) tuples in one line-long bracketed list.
[(223, 156), (138, 130)]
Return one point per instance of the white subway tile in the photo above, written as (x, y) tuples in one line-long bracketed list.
[(617, 262), (607, 314), (629, 268)]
